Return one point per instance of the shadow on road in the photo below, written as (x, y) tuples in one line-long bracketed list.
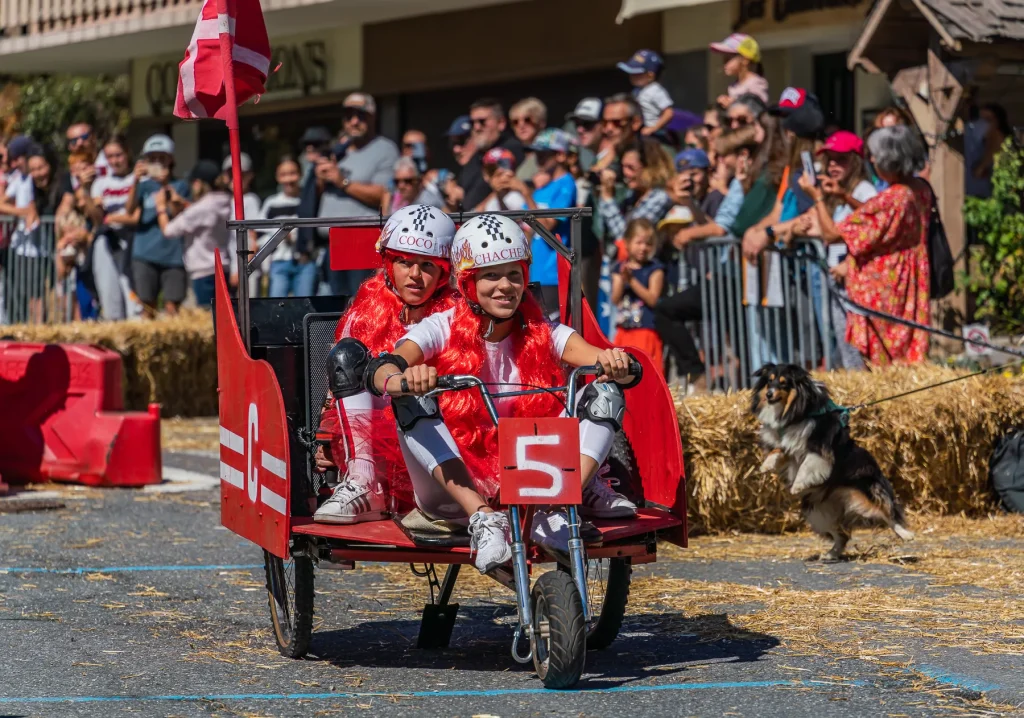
[(649, 644)]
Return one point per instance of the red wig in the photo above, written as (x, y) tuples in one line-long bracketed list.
[(374, 317), (375, 313), (464, 412)]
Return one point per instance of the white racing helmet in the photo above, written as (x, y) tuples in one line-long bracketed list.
[(417, 229), (486, 241)]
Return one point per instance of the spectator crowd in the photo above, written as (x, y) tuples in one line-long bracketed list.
[(133, 238)]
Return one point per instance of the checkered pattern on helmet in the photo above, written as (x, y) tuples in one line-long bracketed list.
[(420, 215), (493, 227)]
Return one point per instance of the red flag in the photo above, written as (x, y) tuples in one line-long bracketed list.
[(201, 74)]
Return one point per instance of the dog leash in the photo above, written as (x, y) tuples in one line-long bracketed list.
[(845, 411)]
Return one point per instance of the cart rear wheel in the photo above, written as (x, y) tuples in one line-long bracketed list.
[(559, 631), (608, 592), (290, 593)]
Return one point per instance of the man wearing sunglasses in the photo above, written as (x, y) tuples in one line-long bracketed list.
[(81, 139), (488, 129), (354, 182)]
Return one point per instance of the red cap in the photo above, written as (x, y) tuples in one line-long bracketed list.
[(500, 156), (842, 142)]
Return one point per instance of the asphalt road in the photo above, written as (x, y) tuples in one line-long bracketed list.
[(139, 603)]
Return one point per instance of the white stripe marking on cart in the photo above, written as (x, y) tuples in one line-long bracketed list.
[(274, 465), (232, 475), (272, 500), (232, 440)]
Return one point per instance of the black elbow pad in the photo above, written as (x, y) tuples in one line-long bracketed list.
[(376, 363)]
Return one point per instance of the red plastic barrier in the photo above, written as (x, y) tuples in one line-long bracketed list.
[(62, 419)]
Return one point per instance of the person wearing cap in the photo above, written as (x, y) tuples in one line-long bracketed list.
[(644, 69), (552, 148), (842, 189), (499, 171), (488, 130), (201, 227), (355, 184), (742, 62), (586, 123), (315, 142), (158, 264), (460, 140), (17, 198), (802, 121)]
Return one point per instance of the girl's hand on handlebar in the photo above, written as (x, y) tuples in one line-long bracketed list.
[(419, 379), (615, 363)]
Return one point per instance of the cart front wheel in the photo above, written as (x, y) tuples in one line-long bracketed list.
[(290, 593), (559, 631)]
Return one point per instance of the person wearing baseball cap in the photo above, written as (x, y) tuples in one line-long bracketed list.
[(586, 124), (643, 69), (158, 263), (552, 148), (801, 113), (460, 139), (357, 178), (742, 62)]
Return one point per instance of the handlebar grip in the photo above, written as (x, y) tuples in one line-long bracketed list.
[(636, 370), (446, 381)]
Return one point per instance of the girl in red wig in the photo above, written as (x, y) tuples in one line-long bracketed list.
[(414, 284), (497, 332)]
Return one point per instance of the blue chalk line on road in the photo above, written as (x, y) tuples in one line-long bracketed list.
[(130, 569), (427, 694), (954, 679)]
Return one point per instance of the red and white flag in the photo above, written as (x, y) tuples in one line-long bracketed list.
[(201, 74)]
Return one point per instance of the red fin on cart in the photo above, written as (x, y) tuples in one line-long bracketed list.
[(651, 424), (354, 248), (255, 486)]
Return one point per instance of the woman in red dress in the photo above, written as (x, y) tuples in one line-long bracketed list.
[(887, 238)]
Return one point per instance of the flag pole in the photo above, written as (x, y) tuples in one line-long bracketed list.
[(231, 120)]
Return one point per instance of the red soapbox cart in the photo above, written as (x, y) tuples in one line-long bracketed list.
[(272, 374)]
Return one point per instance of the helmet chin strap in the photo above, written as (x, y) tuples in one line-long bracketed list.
[(493, 322)]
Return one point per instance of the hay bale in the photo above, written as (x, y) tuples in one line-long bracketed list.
[(934, 446), (172, 360)]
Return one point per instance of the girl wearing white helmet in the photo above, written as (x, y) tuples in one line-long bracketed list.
[(496, 331), (413, 284)]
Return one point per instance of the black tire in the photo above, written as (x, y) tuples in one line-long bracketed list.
[(622, 462), (559, 631), (613, 575), (290, 595)]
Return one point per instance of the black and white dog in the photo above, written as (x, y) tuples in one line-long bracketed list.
[(841, 486)]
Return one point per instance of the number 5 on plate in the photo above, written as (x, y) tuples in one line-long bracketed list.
[(540, 461)]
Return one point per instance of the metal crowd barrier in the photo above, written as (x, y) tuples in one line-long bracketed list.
[(30, 292), (779, 312)]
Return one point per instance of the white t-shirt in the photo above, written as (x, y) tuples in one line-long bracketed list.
[(431, 336), (112, 192), (862, 193), (21, 191), (513, 201), (653, 100)]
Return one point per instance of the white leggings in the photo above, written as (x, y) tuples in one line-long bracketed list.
[(429, 443)]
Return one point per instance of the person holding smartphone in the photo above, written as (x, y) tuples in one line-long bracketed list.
[(158, 264)]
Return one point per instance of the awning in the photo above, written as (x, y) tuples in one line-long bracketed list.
[(640, 7)]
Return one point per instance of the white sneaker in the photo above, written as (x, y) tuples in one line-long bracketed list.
[(357, 499), (550, 531), (601, 501), (489, 538)]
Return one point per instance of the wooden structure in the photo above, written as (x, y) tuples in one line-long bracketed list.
[(937, 53)]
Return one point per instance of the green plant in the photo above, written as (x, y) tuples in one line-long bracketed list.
[(47, 105), (997, 279)]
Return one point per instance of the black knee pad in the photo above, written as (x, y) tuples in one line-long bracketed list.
[(603, 404), (346, 364), (410, 409)]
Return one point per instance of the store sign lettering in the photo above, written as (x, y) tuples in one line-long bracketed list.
[(781, 9), (301, 67)]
